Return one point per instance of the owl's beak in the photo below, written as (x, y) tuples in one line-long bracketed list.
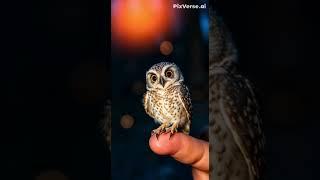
[(162, 81)]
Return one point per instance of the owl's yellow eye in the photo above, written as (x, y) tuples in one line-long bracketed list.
[(153, 78), (169, 74)]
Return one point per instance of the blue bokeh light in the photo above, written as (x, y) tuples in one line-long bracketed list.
[(204, 25)]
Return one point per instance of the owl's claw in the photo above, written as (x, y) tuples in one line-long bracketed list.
[(157, 136), (164, 128), (172, 130), (157, 132), (160, 129), (171, 134)]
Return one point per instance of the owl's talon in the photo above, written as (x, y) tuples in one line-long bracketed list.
[(167, 130), (158, 131), (174, 128), (155, 133), (171, 134)]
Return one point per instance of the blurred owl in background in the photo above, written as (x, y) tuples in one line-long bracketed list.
[(167, 99), (235, 133)]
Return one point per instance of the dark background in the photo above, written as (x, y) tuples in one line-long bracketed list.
[(278, 48), (52, 98), (54, 73)]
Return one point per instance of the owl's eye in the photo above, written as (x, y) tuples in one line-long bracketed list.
[(169, 74), (153, 78)]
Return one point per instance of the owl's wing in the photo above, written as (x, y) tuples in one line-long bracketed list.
[(241, 113), (185, 99), (146, 103)]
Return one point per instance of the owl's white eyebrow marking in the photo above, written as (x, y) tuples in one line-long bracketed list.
[(152, 71), (167, 67)]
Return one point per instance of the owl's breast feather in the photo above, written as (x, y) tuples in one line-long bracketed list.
[(161, 94)]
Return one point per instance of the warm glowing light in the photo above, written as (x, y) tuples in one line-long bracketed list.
[(127, 121), (139, 23), (166, 47)]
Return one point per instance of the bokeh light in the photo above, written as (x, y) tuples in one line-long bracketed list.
[(138, 24), (166, 48), (127, 121), (204, 24)]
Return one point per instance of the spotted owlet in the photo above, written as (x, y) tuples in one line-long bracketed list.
[(236, 138), (167, 99)]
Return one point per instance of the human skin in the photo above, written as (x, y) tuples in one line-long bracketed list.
[(185, 149)]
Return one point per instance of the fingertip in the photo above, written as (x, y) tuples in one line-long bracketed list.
[(184, 148), (164, 144)]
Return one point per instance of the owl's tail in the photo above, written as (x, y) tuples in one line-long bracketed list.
[(222, 52)]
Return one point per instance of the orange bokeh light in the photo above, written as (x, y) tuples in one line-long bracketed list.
[(139, 23)]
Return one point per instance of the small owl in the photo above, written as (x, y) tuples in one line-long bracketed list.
[(167, 99)]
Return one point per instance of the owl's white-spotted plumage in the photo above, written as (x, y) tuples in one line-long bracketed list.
[(235, 135), (167, 99)]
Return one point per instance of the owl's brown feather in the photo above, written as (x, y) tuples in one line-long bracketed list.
[(185, 99), (236, 138), (145, 101), (236, 108)]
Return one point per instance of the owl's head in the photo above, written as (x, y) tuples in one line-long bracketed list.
[(163, 75)]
